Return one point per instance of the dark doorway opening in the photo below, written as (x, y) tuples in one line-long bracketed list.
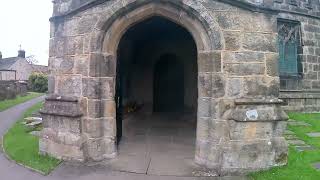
[(156, 73), (168, 85)]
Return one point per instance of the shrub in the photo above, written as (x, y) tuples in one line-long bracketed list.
[(38, 82)]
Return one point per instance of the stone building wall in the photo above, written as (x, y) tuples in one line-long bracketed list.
[(240, 121), (302, 93)]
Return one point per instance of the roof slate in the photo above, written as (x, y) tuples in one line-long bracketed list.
[(6, 63)]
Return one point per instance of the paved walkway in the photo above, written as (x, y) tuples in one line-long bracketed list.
[(158, 144), (12, 171)]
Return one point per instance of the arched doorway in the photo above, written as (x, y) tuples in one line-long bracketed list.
[(168, 84), (156, 92)]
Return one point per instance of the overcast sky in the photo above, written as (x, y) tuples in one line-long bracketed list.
[(25, 22)]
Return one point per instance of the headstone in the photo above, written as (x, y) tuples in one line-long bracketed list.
[(314, 134), (31, 119), (35, 133), (291, 137), (288, 132), (298, 123), (296, 142), (305, 148), (317, 165), (34, 124)]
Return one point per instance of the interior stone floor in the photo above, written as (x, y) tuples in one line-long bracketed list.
[(157, 144)]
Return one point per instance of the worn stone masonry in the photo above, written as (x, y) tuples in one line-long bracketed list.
[(240, 120)]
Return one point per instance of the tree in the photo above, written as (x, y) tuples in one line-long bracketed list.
[(32, 59), (38, 82)]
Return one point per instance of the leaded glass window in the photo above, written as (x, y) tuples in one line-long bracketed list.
[(289, 42)]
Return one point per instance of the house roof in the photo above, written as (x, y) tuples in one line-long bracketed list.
[(6, 63)]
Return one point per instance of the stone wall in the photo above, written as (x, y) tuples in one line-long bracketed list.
[(301, 93), (10, 89), (240, 121)]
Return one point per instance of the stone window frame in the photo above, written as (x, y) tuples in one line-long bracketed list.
[(286, 79), (297, 35)]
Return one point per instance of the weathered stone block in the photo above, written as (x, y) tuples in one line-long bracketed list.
[(229, 20), (254, 112), (219, 131), (73, 45), (243, 56), (61, 151), (203, 129), (209, 61), (204, 107), (94, 108), (93, 127), (51, 84), (251, 130), (261, 87), (107, 88), (102, 66), (232, 40), (91, 87), (108, 108), (280, 147), (205, 85), (239, 156), (272, 62), (244, 69), (234, 86), (218, 85), (100, 148), (68, 85), (202, 151), (81, 65), (86, 24), (260, 42), (61, 106), (109, 128)]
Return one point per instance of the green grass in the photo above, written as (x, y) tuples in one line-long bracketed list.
[(6, 104), (23, 147), (299, 163)]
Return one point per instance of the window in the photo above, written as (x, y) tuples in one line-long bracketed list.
[(289, 44)]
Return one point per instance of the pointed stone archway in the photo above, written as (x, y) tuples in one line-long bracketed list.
[(208, 51)]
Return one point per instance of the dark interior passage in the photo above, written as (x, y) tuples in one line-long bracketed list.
[(157, 68), (156, 97), (168, 85)]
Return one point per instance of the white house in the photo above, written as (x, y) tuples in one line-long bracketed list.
[(18, 68)]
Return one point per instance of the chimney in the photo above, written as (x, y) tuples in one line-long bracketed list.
[(0, 55), (22, 53)]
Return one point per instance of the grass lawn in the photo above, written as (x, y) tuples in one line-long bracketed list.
[(6, 104), (23, 147), (300, 163)]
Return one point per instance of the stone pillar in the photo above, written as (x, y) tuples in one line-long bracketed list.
[(62, 135), (256, 127), (99, 120), (211, 129)]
